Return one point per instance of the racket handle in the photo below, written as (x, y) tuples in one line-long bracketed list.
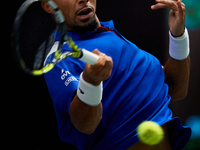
[(89, 57)]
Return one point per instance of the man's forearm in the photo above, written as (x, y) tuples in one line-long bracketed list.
[(84, 117), (86, 108), (177, 77)]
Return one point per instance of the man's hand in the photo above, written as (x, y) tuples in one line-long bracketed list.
[(176, 71), (176, 15), (84, 117), (101, 71)]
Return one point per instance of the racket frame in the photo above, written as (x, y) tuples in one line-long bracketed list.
[(64, 37)]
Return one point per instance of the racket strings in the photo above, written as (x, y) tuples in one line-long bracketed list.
[(42, 53), (33, 38), (35, 41)]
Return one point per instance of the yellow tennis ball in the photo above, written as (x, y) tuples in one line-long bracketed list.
[(150, 133)]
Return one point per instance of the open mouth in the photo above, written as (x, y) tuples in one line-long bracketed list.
[(84, 12)]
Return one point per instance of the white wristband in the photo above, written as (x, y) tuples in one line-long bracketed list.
[(179, 48), (88, 93)]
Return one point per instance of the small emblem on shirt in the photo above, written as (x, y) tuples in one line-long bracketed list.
[(69, 80), (81, 91), (65, 75)]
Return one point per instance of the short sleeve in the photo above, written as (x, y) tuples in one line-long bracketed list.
[(61, 84)]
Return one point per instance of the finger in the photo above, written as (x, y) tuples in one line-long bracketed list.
[(182, 4), (108, 66), (183, 7), (178, 0), (179, 6), (103, 68), (159, 6), (165, 4), (96, 51)]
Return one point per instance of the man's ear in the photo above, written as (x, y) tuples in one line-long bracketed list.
[(46, 7)]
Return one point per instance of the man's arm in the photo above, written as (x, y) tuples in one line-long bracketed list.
[(177, 77), (84, 117), (176, 71)]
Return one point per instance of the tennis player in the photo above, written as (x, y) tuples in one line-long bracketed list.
[(99, 107)]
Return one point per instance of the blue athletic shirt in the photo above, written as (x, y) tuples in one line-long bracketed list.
[(135, 92)]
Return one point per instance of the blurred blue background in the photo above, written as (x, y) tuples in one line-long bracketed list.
[(192, 14)]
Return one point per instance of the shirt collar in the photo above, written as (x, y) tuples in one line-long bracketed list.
[(108, 24), (76, 36)]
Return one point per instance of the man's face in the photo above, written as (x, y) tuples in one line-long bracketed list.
[(79, 14)]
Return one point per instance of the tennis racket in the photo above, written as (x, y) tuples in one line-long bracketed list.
[(33, 38)]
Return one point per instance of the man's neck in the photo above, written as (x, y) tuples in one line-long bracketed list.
[(82, 30)]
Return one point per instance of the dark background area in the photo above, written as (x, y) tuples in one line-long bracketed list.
[(27, 114)]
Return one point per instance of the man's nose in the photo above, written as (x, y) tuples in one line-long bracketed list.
[(82, 1)]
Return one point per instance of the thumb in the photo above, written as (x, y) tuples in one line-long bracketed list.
[(97, 52)]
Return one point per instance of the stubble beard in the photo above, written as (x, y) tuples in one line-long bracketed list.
[(90, 26)]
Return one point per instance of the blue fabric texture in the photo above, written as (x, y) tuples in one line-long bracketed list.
[(135, 92)]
